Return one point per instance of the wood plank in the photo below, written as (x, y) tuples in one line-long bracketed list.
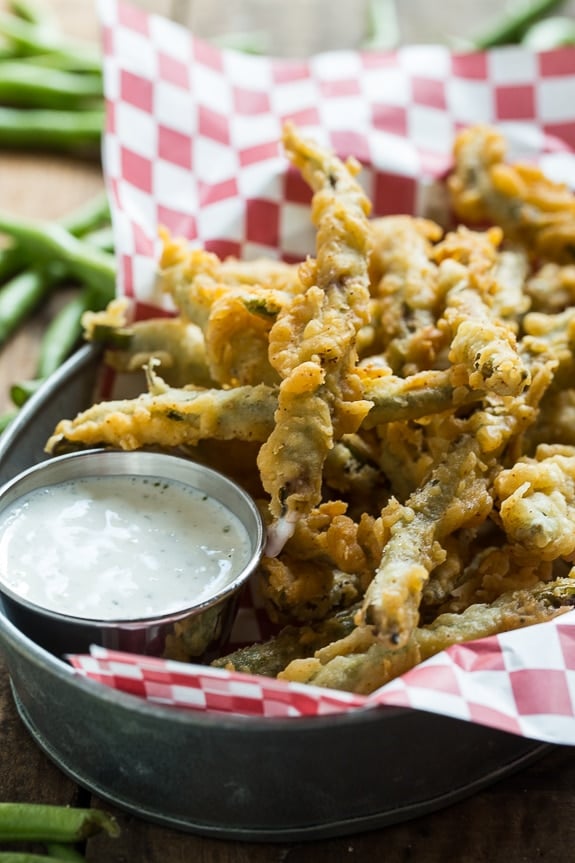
[(26, 774)]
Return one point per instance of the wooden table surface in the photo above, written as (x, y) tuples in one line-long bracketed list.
[(523, 817)]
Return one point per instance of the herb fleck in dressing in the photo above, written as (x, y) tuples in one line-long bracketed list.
[(119, 547)]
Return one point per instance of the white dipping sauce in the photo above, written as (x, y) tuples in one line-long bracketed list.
[(119, 547)]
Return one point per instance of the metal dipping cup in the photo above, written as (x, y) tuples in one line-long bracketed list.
[(204, 627)]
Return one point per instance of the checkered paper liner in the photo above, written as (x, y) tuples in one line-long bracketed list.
[(522, 682), (192, 143)]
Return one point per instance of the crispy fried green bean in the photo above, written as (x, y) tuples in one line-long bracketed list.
[(365, 670)]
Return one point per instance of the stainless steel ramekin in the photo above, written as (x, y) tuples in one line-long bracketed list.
[(197, 631)]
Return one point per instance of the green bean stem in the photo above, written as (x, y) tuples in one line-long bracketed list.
[(39, 128), (23, 84), (20, 296), (52, 242)]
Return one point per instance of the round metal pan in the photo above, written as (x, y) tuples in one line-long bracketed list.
[(234, 777)]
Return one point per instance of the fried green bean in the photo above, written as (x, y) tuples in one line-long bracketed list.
[(456, 493), (170, 417), (312, 343), (339, 666), (480, 344), (292, 642)]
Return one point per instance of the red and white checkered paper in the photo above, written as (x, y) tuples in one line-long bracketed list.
[(192, 143)]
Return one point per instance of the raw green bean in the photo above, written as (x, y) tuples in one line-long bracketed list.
[(34, 13), (52, 242), (90, 220), (21, 391), (38, 128), (58, 341), (20, 296), (7, 53), (12, 260), (101, 239), (383, 26), (26, 857), (58, 851), (515, 22), (25, 85), (88, 217), (24, 289), (64, 332), (38, 822), (30, 38), (550, 33)]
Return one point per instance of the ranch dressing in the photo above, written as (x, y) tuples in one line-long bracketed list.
[(119, 547)]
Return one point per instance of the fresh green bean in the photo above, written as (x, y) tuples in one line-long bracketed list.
[(7, 53), (12, 260), (88, 217), (27, 857), (59, 339), (21, 291), (52, 242), (553, 32), (25, 85), (58, 851), (64, 332), (20, 296), (383, 26), (21, 391), (29, 38), (69, 131), (34, 13), (38, 822), (514, 22), (102, 239)]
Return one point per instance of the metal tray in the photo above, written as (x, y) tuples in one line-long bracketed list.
[(228, 777)]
